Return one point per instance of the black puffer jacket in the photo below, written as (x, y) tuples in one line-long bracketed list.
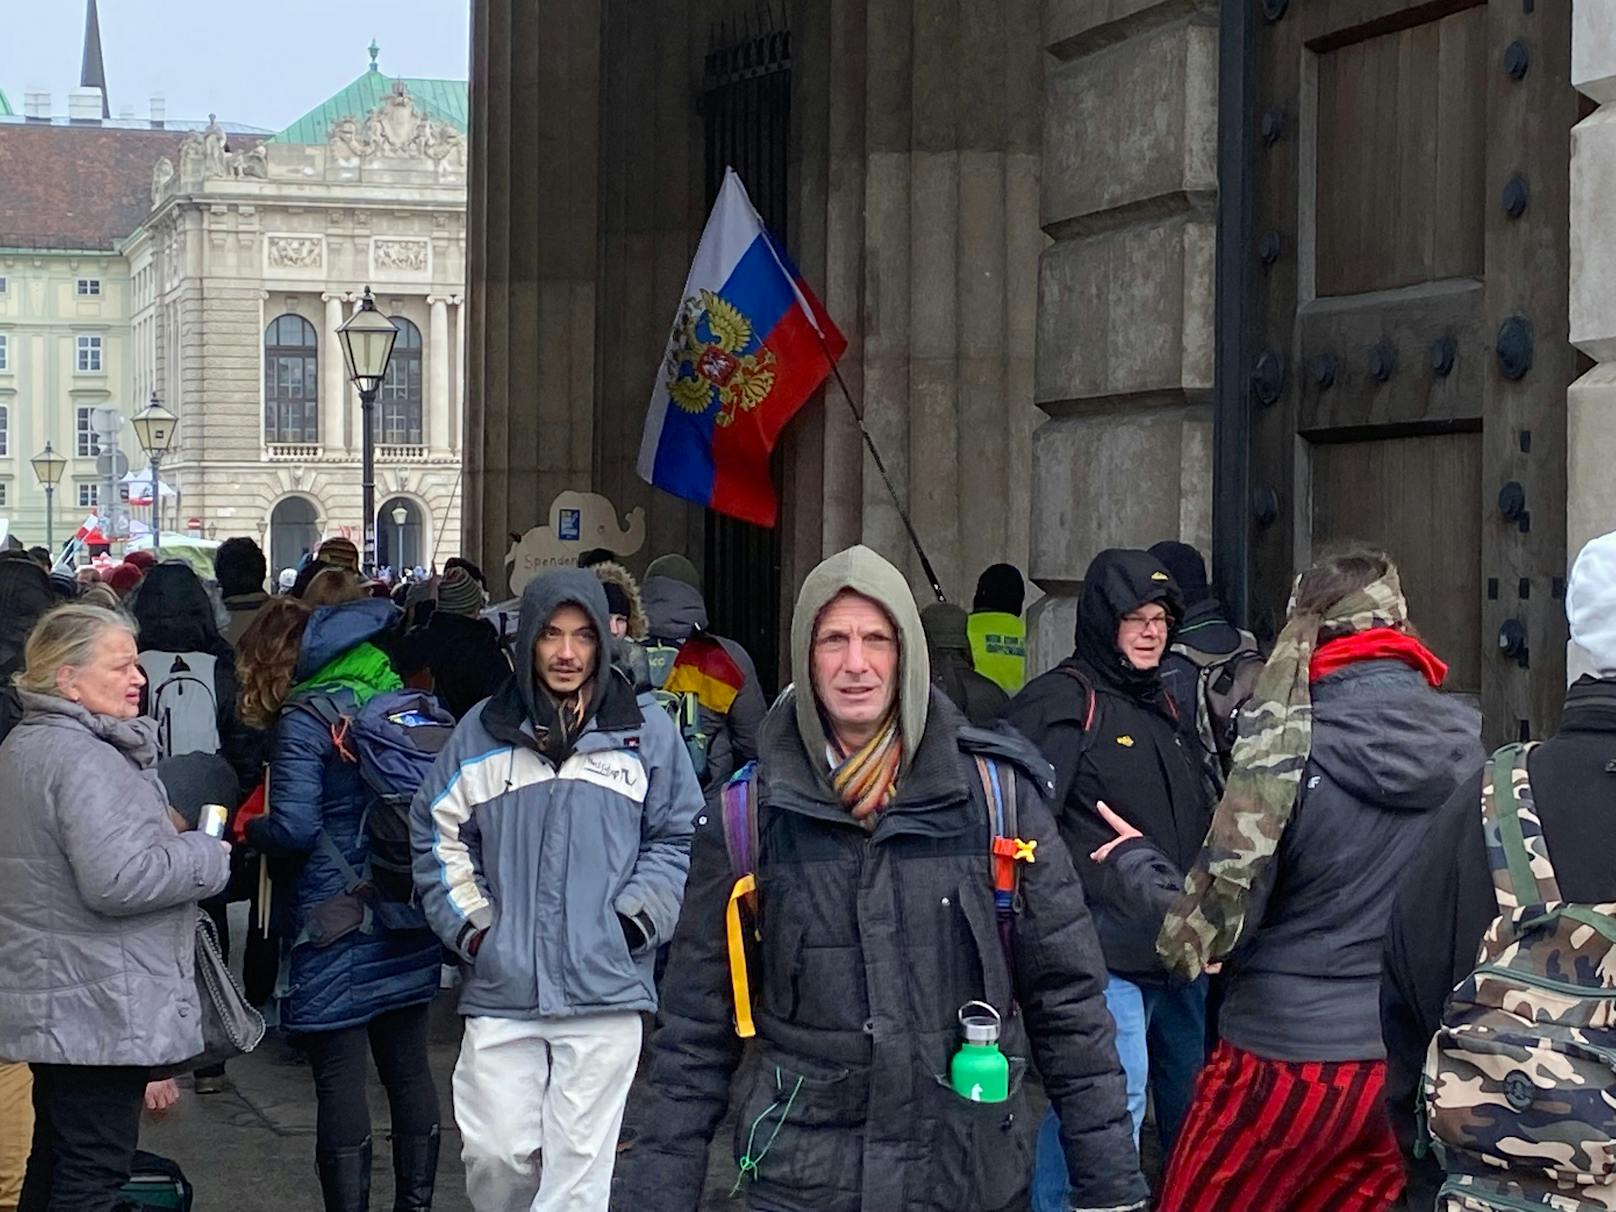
[(1446, 900), (1120, 744), (871, 943)]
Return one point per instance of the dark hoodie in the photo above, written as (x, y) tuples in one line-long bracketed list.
[(948, 642), (25, 595), (524, 711), (175, 614), (1128, 752), (675, 611)]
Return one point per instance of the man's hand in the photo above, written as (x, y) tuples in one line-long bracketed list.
[(160, 1096), (1124, 831)]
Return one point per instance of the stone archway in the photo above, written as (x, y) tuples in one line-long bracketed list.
[(293, 530), (400, 545)]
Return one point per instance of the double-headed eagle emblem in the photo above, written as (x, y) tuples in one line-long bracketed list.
[(717, 358)]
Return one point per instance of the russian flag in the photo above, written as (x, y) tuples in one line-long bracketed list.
[(750, 344)]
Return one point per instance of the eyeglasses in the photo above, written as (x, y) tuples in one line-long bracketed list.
[(1144, 622)]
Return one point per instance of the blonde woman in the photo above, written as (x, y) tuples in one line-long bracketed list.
[(98, 895)]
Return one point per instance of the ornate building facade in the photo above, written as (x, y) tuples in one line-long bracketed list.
[(223, 278), (249, 262)]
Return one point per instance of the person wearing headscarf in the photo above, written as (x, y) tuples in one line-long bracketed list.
[(876, 923), (1104, 720), (1348, 749)]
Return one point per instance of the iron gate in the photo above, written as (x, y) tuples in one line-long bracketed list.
[(746, 118)]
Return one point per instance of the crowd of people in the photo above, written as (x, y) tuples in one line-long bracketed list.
[(1270, 901)]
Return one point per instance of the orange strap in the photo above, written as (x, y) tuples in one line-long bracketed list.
[(739, 983)]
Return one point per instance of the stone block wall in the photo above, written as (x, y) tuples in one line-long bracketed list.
[(1124, 356), (1591, 400)]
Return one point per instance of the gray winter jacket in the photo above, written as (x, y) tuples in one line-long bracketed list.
[(98, 894), (572, 857)]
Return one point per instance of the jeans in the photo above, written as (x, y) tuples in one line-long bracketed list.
[(86, 1127), (16, 1129), (340, 1060), (1161, 1042)]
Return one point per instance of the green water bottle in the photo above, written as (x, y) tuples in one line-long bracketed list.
[(979, 1071)]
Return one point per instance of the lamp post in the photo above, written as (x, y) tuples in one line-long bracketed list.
[(400, 516), (48, 466), (154, 429), (367, 347)]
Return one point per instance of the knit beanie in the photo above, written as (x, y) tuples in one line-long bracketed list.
[(677, 568), (143, 560), (125, 577), (1187, 566), (459, 593), (616, 599), (341, 552), (1000, 588), (1591, 607)]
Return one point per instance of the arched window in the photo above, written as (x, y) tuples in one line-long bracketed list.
[(293, 530), (399, 543), (401, 390), (291, 382)]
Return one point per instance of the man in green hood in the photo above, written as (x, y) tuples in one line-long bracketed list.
[(875, 926)]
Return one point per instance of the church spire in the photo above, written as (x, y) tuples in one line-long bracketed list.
[(93, 72)]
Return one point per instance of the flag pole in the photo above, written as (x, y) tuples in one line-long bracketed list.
[(880, 466)]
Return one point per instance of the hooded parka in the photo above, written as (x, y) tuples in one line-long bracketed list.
[(869, 944), (1121, 744)]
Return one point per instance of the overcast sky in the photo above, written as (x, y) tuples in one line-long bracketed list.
[(255, 62)]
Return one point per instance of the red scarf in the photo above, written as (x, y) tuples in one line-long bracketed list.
[(1376, 644)]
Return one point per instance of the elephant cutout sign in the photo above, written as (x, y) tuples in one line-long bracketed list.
[(579, 521)]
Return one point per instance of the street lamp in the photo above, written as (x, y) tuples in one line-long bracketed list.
[(154, 429), (48, 465), (400, 516), (367, 347)]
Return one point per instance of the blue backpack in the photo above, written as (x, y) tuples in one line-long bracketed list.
[(394, 739)]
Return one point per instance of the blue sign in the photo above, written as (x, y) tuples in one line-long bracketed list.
[(570, 526)]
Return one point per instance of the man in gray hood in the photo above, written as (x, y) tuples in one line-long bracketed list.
[(551, 843), (706, 682), (875, 929)]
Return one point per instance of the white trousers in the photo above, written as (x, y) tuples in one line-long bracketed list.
[(550, 1086)]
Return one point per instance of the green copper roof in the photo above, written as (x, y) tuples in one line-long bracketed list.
[(444, 100), (5, 106)]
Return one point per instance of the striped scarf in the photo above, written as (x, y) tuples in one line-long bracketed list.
[(867, 779)]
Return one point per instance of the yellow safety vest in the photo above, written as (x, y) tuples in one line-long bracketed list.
[(999, 648)]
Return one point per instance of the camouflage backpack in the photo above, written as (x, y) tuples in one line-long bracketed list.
[(1519, 1088)]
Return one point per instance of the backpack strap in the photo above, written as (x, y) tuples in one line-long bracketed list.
[(738, 806), (1517, 853)]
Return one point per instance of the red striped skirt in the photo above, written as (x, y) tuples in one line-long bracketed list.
[(1284, 1136)]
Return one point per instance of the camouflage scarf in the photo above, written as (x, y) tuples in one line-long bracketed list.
[(1275, 738)]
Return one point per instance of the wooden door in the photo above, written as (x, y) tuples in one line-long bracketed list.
[(1407, 320)]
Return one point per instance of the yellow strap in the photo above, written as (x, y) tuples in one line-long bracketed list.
[(737, 957)]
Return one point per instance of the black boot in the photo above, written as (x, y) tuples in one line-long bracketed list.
[(415, 1169), (345, 1178)]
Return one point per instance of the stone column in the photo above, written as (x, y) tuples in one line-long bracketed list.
[(533, 237), (457, 406), (1123, 367), (435, 416), (333, 378), (1591, 401)]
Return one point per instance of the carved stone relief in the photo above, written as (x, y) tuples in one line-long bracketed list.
[(296, 252), (409, 255)]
